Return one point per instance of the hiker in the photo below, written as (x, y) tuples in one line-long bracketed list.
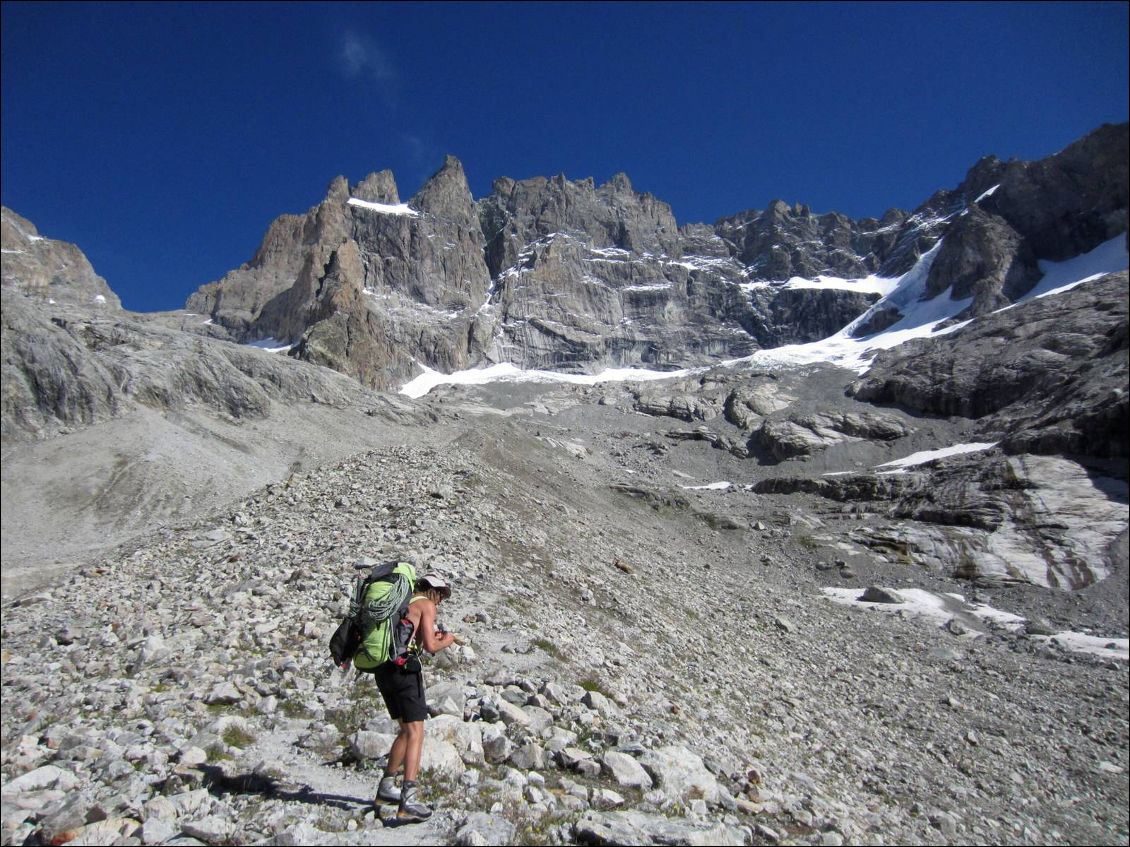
[(403, 692)]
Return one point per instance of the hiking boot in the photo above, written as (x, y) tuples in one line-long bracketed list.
[(411, 809), (387, 790)]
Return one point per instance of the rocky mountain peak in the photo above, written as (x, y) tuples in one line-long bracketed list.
[(47, 269), (337, 191), (778, 209), (15, 229), (1063, 205), (447, 194), (619, 183), (377, 188), (559, 273)]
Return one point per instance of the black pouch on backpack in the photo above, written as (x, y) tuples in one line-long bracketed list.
[(345, 642)]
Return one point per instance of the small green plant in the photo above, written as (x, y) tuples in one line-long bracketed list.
[(540, 831), (217, 753), (807, 541), (294, 709), (353, 713), (237, 736), (548, 647), (592, 684), (329, 822), (439, 784), (518, 604)]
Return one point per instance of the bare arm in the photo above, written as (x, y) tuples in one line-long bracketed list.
[(426, 635)]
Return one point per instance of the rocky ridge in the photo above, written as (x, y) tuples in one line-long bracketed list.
[(49, 270), (66, 368), (568, 275), (1046, 377)]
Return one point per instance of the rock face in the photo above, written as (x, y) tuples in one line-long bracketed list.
[(1033, 520), (1020, 212), (786, 241), (65, 368), (1048, 376), (519, 212), (48, 270), (568, 275), (362, 284)]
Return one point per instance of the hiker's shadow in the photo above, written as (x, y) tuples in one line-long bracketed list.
[(220, 781)]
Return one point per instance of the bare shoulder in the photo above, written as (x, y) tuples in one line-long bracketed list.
[(421, 609)]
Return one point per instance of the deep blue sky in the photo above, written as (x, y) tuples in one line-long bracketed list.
[(163, 138)]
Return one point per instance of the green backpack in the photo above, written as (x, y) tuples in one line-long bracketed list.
[(385, 631)]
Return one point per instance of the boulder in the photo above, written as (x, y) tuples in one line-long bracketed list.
[(681, 774), (625, 770)]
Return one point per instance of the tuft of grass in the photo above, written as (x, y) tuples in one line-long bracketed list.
[(294, 708), (217, 753), (543, 830), (590, 683), (237, 736), (807, 542), (548, 647)]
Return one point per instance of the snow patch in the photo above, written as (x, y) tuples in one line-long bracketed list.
[(943, 608), (900, 465), (271, 345), (713, 486), (987, 193), (610, 253), (867, 285), (385, 208), (659, 286), (1109, 257), (922, 318), (506, 372)]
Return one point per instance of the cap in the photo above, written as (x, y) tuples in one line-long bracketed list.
[(434, 580)]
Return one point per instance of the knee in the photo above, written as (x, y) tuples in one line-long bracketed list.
[(413, 730)]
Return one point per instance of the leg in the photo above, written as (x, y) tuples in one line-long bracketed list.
[(396, 754), (413, 734), (410, 806), (387, 789)]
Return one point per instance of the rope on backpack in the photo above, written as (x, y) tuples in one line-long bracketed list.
[(383, 608)]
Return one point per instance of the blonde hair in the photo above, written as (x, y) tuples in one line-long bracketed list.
[(433, 594)]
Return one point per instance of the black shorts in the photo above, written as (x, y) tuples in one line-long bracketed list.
[(403, 693)]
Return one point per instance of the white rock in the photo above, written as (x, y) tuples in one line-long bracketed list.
[(626, 771), (223, 694), (681, 774), (193, 756), (440, 758), (47, 776), (104, 832), (158, 830), (511, 714), (370, 745), (466, 737)]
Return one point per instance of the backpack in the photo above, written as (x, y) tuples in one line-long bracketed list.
[(377, 598)]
